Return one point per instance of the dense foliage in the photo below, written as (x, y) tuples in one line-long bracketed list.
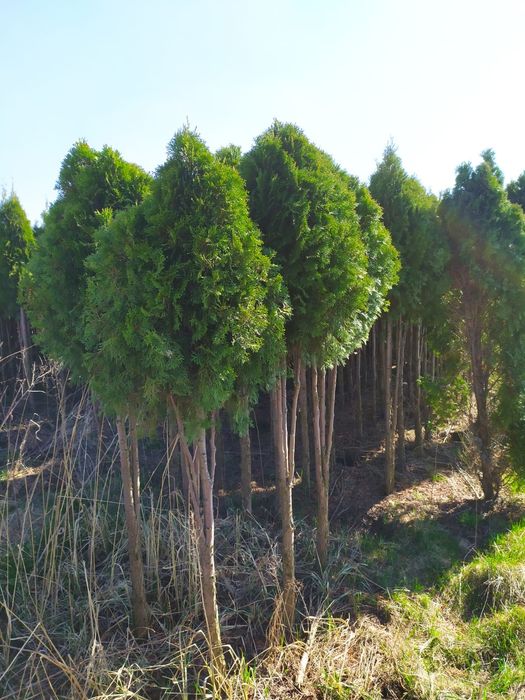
[(91, 185), (16, 244), (274, 284)]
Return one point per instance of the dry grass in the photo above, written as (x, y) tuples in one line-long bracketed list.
[(64, 587)]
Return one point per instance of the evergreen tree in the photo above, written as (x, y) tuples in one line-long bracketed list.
[(90, 185), (410, 214), (192, 312), (516, 191), (486, 234), (308, 216), (16, 244)]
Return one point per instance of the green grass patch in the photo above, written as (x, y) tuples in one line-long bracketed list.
[(495, 579), (416, 556)]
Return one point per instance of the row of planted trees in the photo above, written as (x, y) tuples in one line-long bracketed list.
[(227, 275)]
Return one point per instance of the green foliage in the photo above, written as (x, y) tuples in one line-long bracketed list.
[(308, 215), (91, 186), (516, 191), (447, 397), (410, 215), (193, 283), (486, 235), (129, 358), (16, 243), (230, 155)]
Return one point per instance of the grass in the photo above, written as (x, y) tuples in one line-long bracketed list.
[(495, 579), (399, 613)]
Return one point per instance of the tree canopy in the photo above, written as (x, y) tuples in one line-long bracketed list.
[(16, 244), (92, 185), (308, 216)]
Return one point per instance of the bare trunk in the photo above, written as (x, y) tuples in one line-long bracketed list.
[(134, 463), (400, 396), (139, 606), (246, 472), (359, 395), (206, 539), (23, 337), (200, 473), (323, 418), (285, 455), (389, 433), (374, 373), (417, 391), (480, 380), (305, 433)]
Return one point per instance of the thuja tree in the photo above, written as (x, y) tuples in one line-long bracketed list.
[(262, 369), (516, 191), (195, 284), (127, 359), (90, 182), (259, 373), (307, 214), (347, 335), (92, 185), (486, 235), (16, 244), (410, 214)]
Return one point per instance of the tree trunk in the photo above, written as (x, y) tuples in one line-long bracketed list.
[(23, 336), (323, 420), (480, 380), (139, 606), (246, 471), (359, 380), (305, 433), (389, 432), (400, 396), (134, 463), (285, 455), (417, 391), (374, 373), (200, 473), (206, 539)]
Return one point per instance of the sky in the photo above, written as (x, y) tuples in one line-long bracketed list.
[(443, 80)]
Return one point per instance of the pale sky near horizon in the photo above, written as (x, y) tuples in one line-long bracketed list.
[(443, 80)]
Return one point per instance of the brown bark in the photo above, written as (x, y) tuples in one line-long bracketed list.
[(139, 606), (285, 452), (24, 346), (134, 463), (389, 433), (246, 472), (200, 473), (400, 396), (323, 423), (359, 397), (417, 391), (206, 539), (305, 433), (374, 372), (480, 384)]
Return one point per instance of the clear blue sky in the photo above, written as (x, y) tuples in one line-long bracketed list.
[(444, 80)]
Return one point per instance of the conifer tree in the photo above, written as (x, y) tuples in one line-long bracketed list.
[(486, 235), (516, 191), (410, 214), (193, 311), (90, 185), (16, 244), (308, 216)]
